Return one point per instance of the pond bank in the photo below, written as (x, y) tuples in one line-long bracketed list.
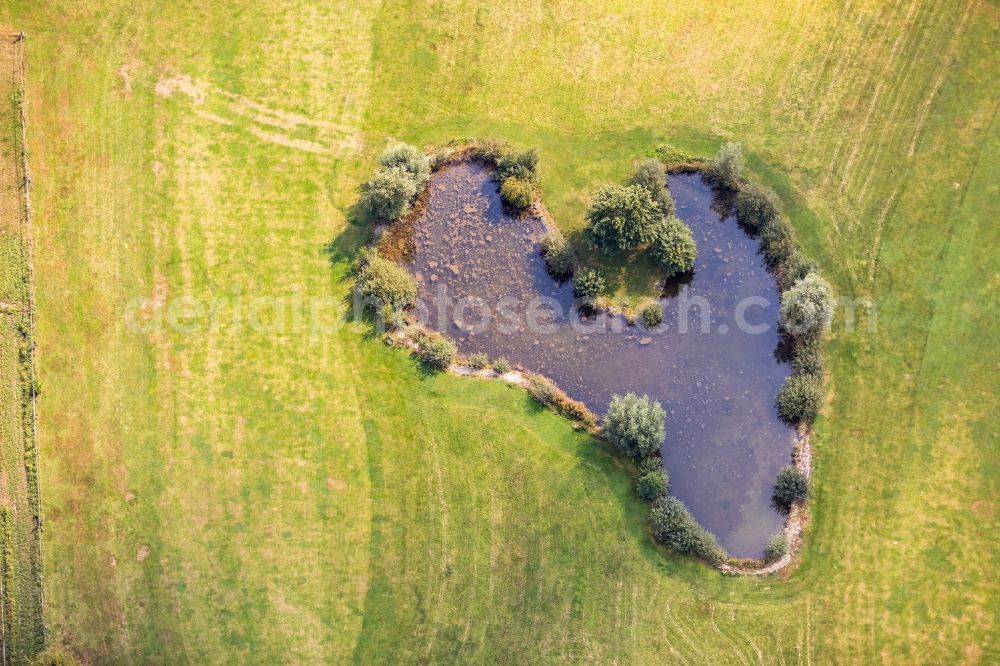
[(725, 442)]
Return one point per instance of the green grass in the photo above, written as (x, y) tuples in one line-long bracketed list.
[(239, 496), (22, 632)]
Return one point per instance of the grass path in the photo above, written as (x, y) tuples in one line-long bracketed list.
[(238, 495)]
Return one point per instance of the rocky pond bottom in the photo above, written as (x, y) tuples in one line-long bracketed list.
[(712, 363)]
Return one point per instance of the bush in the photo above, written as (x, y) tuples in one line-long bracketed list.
[(808, 359), (649, 464), (589, 285), (523, 165), (807, 308), (477, 361), (560, 258), (542, 390), (410, 158), (793, 268), (385, 282), (776, 242), (489, 150), (634, 425), (388, 192), (436, 351), (501, 365), (652, 315), (674, 247), (790, 486), (622, 217), (800, 398), (674, 527), (517, 193), (54, 656), (777, 547), (652, 177), (652, 484), (757, 205), (725, 169)]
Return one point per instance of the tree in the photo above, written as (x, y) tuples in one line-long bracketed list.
[(652, 177), (635, 425), (807, 308), (388, 192), (790, 486), (725, 169), (410, 158), (800, 398), (622, 217), (674, 247), (756, 205)]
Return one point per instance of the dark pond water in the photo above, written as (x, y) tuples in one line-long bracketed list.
[(484, 283)]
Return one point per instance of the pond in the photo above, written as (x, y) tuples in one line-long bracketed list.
[(712, 364)]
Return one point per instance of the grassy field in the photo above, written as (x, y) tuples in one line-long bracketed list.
[(21, 627), (234, 494)]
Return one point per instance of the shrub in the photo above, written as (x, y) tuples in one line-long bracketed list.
[(53, 656), (440, 157), (793, 268), (576, 410), (436, 351), (777, 547), (622, 217), (560, 258), (776, 242), (634, 425), (489, 150), (385, 283), (517, 193), (650, 464), (674, 527), (790, 486), (542, 390), (478, 361), (725, 169), (652, 177), (652, 484), (501, 365), (808, 359), (807, 308), (520, 165), (589, 285), (410, 158), (652, 315), (674, 247), (756, 205), (546, 393), (388, 192), (800, 398)]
